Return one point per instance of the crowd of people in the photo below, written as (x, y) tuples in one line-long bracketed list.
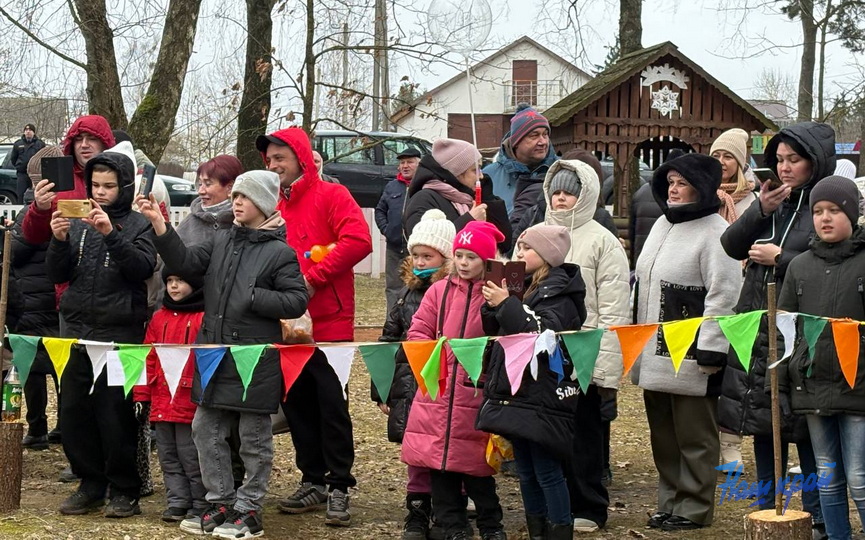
[(706, 236)]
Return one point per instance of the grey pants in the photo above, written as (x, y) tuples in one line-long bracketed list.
[(393, 283), (685, 446), (180, 471), (210, 430)]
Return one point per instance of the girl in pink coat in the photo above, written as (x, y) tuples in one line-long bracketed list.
[(441, 434)]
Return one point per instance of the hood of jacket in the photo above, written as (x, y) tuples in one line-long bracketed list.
[(121, 159), (507, 159), (584, 210), (563, 280), (93, 124), (704, 175), (838, 251), (429, 169), (297, 139), (817, 139), (272, 229)]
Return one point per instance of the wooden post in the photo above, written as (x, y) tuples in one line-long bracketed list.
[(767, 524), (11, 433)]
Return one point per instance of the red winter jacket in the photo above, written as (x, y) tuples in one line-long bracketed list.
[(168, 326), (321, 213), (448, 423), (37, 223)]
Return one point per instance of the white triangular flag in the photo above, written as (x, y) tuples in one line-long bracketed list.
[(97, 350), (340, 359), (116, 376), (786, 323), (173, 361), (546, 342)]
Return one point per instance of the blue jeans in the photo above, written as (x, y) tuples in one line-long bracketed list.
[(542, 482), (764, 457), (839, 439)]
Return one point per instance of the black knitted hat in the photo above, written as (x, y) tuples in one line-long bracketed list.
[(841, 191)]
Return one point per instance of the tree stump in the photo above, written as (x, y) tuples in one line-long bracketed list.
[(765, 525), (12, 460)]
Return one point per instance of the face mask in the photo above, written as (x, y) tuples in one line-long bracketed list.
[(423, 274)]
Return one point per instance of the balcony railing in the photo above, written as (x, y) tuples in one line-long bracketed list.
[(538, 94)]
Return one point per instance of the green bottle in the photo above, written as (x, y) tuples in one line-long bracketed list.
[(12, 397)]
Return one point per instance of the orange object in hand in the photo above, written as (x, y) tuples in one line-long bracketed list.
[(318, 252)]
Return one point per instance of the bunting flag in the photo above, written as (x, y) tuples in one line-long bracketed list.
[(470, 354), (584, 348), (173, 362), (812, 327), (846, 334), (786, 323), (434, 367), (418, 354), (380, 361), (632, 340), (115, 376), (741, 331), (679, 336), (341, 359), (58, 350), (557, 363), (23, 354), (291, 361), (245, 359), (518, 353), (97, 352), (133, 359), (547, 343), (208, 360)]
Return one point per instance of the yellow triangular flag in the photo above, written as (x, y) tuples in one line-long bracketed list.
[(58, 350), (679, 336)]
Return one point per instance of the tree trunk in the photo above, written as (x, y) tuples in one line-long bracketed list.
[(308, 96), (806, 73), (862, 135), (821, 110), (630, 26), (153, 121), (103, 83), (258, 74), (11, 434), (766, 524)]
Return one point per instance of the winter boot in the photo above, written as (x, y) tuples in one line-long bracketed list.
[(417, 521), (537, 526), (560, 532), (731, 448)]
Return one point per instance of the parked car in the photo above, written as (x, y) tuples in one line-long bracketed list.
[(609, 180), (180, 192), (8, 177), (364, 162)]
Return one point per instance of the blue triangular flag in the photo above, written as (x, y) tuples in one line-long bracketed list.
[(557, 360), (208, 360)]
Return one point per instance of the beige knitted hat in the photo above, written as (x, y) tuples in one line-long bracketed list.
[(734, 141), (434, 230)]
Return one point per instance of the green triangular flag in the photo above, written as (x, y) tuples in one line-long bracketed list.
[(812, 328), (132, 359), (380, 361), (245, 359), (431, 372), (23, 353), (584, 348), (741, 331), (470, 355)]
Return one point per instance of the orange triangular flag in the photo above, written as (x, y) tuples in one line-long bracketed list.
[(846, 334), (418, 352), (632, 339)]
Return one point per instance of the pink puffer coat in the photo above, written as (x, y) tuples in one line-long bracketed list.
[(441, 434)]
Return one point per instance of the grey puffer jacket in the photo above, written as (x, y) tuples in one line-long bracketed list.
[(200, 224), (251, 281), (744, 406), (828, 281)]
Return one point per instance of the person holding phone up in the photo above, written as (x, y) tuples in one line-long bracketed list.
[(771, 233)]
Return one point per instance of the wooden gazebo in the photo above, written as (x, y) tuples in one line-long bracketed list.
[(647, 103)]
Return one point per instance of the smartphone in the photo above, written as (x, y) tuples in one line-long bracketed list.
[(768, 175), (74, 208), (147, 179), (59, 171), (513, 272)]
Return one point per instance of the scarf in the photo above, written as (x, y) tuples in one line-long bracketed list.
[(728, 206), (461, 201), (737, 195), (217, 208), (403, 179)]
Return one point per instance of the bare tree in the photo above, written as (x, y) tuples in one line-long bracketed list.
[(775, 85)]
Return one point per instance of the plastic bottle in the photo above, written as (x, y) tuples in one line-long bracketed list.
[(12, 397), (317, 253), (478, 192)]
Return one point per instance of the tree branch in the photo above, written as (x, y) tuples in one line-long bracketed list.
[(43, 44)]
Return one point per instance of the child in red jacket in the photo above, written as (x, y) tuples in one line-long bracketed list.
[(178, 321)]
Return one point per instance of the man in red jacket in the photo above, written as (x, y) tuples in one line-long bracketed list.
[(318, 213)]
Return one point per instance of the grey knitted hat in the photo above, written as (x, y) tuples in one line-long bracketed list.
[(261, 187), (841, 191), (566, 180)]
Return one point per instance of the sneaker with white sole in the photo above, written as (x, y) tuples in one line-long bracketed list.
[(338, 511), (308, 497), (205, 523), (582, 525), (240, 525)]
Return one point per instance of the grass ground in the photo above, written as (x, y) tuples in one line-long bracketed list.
[(378, 501)]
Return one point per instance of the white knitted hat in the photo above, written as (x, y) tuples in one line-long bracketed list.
[(434, 230)]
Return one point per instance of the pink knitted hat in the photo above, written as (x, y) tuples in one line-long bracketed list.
[(455, 156), (480, 237)]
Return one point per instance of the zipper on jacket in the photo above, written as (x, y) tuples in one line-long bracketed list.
[(454, 381)]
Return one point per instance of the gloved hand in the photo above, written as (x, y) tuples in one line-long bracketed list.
[(709, 370), (784, 402), (606, 394)]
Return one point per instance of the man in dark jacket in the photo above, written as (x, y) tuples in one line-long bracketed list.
[(24, 149), (388, 219), (644, 212)]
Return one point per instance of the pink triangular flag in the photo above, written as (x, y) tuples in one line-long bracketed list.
[(173, 361), (519, 351)]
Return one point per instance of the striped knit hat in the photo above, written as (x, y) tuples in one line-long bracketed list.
[(524, 121)]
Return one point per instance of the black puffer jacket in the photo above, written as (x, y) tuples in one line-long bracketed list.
[(528, 192), (827, 281), (744, 406), (404, 385), (421, 200), (645, 211), (37, 314), (251, 281), (107, 295), (536, 214), (542, 411)]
